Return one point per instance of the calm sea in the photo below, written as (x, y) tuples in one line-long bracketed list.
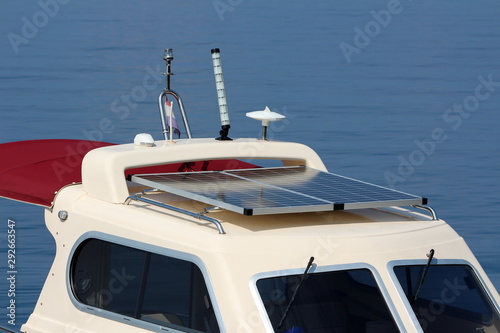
[(399, 93)]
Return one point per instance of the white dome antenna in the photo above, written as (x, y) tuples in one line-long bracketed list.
[(265, 116)]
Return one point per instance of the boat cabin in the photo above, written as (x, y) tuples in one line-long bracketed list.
[(191, 235)]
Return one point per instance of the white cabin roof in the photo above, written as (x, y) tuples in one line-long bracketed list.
[(103, 168)]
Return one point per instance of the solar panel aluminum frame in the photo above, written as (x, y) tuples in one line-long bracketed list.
[(235, 191)]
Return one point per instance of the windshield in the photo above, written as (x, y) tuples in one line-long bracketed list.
[(451, 299), (347, 301)]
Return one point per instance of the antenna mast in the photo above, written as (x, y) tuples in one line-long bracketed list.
[(221, 96), (165, 121)]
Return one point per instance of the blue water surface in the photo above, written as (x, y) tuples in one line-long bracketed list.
[(398, 93)]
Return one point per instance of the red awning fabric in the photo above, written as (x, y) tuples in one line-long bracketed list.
[(33, 171)]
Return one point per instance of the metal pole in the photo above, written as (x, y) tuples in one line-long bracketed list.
[(221, 95), (168, 56)]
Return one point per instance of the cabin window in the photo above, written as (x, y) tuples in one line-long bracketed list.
[(450, 298), (333, 302), (147, 286)]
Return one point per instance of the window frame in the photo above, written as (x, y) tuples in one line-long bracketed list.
[(191, 258), (320, 269), (442, 262)]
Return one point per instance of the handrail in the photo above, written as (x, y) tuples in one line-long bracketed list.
[(137, 197), (163, 116), (429, 209), (168, 57)]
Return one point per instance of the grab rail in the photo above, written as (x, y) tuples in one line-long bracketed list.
[(429, 209), (165, 127), (168, 57), (138, 197)]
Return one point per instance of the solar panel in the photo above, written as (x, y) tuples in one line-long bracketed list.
[(277, 190)]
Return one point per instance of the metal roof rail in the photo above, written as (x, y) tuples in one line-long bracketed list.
[(429, 209), (138, 197)]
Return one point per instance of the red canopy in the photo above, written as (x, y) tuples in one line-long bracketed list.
[(33, 171)]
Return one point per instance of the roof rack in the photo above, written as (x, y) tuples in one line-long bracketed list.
[(139, 197)]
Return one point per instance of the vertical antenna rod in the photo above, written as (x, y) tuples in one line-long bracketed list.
[(221, 96), (167, 124)]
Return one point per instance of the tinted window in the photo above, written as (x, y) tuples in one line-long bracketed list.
[(147, 286), (450, 299), (334, 302)]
